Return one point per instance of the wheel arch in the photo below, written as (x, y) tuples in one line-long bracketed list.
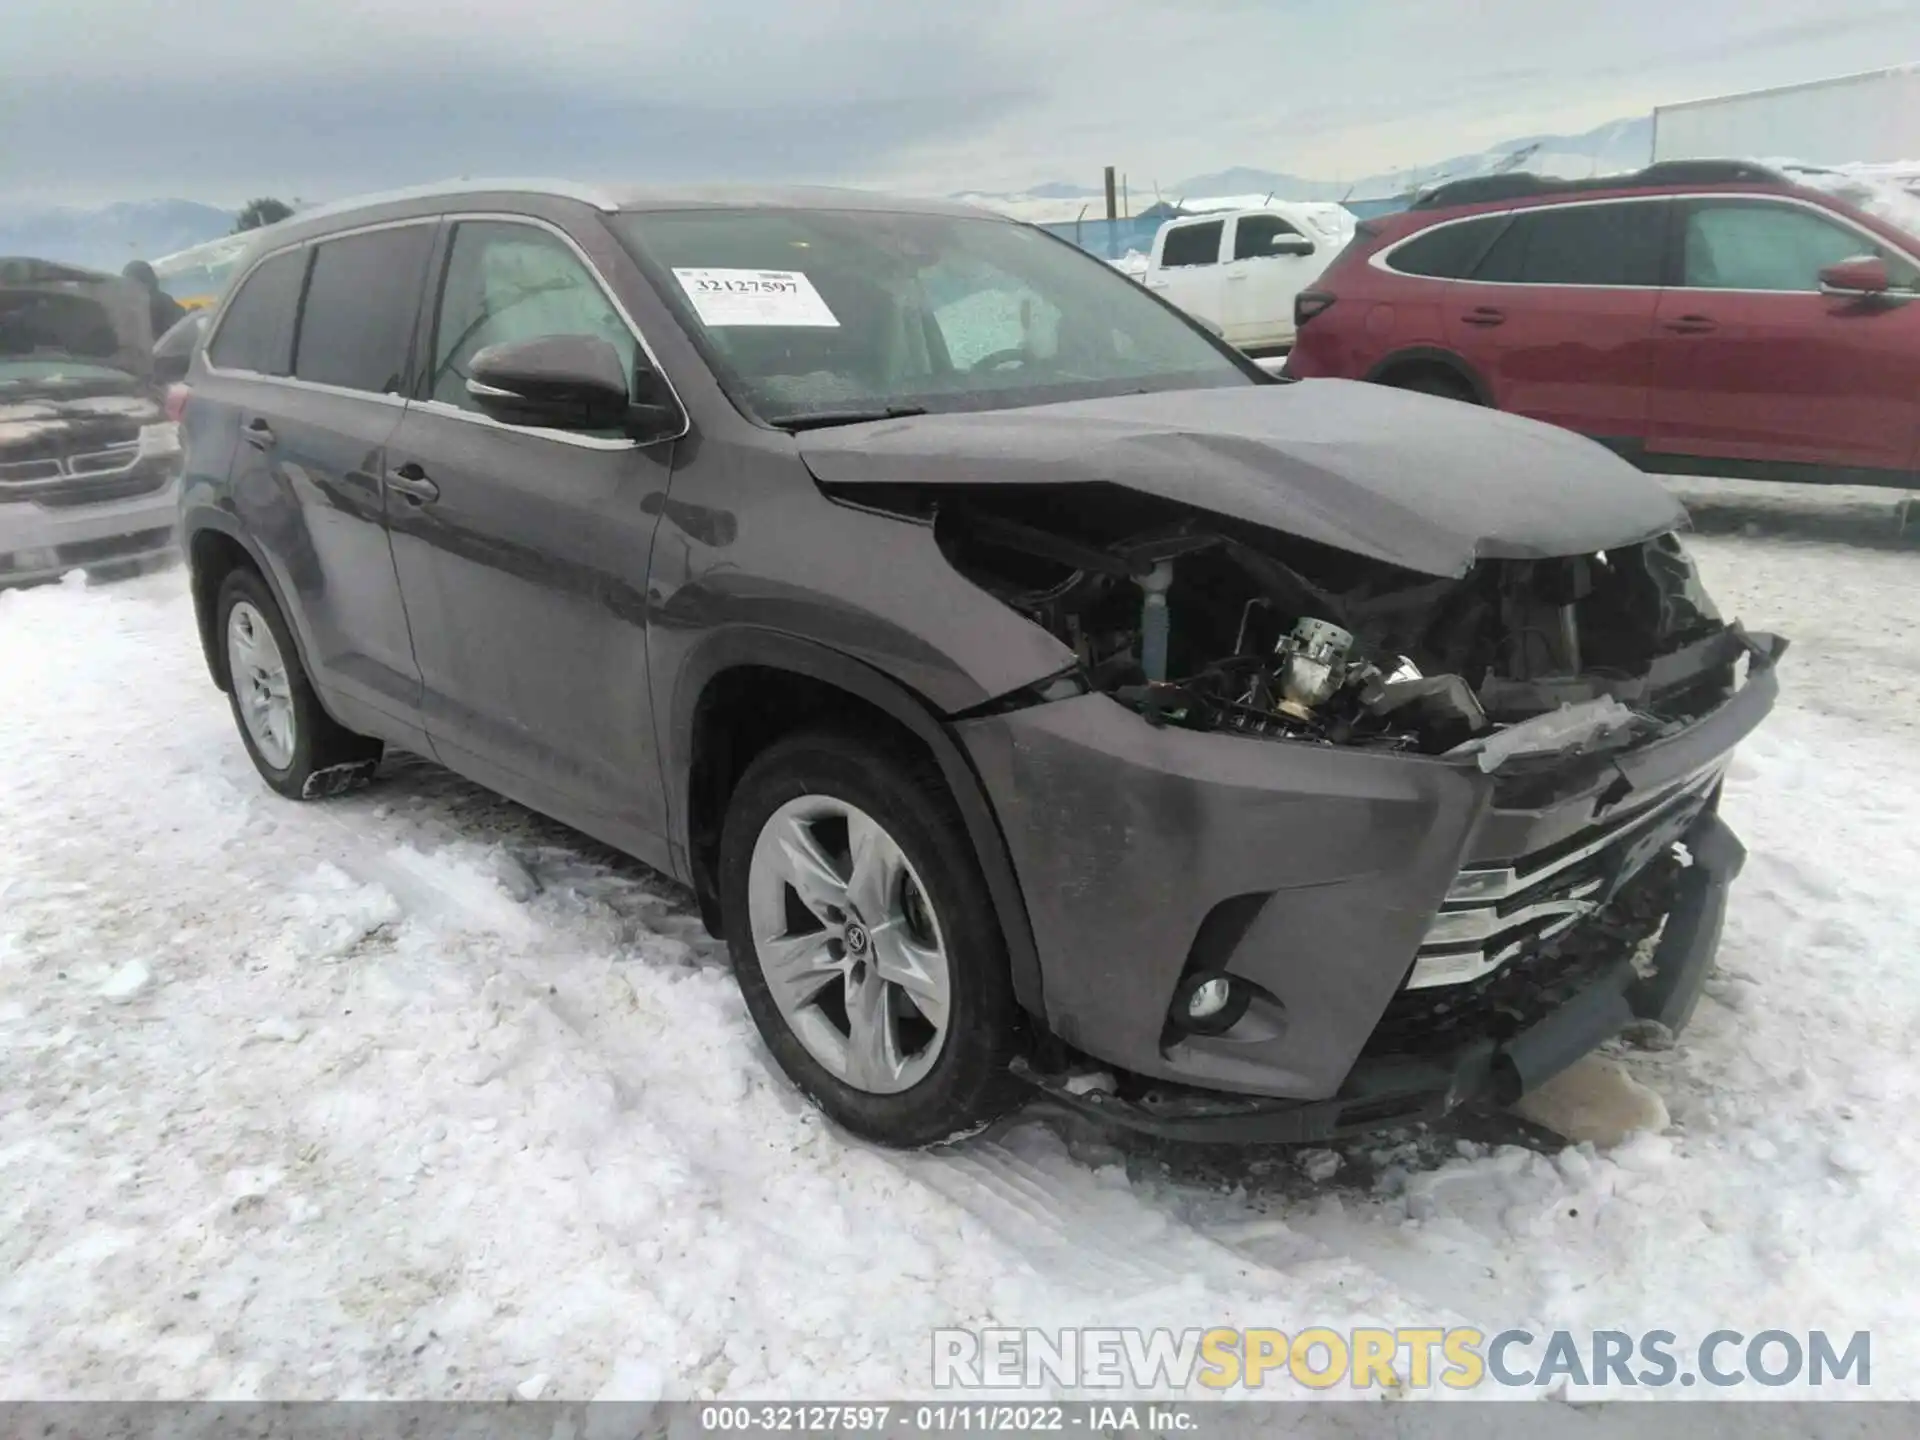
[(1430, 359), (215, 545), (722, 716)]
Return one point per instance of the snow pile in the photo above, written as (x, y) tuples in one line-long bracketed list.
[(412, 1093)]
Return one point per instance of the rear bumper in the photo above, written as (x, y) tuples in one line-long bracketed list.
[(1321, 877)]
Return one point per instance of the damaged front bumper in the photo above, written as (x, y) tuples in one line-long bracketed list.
[(1349, 890), (1411, 1088)]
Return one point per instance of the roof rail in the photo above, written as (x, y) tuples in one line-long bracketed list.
[(564, 189), (1482, 189)]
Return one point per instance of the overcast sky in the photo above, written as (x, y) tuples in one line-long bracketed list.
[(220, 100)]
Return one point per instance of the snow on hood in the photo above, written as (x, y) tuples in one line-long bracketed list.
[(35, 427), (1424, 483)]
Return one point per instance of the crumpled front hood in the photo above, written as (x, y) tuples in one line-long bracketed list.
[(1429, 484)]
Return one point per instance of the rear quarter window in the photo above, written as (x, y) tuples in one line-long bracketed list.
[(1447, 252), (256, 333)]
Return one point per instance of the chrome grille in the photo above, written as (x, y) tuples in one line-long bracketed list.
[(1494, 913), (92, 478), (100, 462)]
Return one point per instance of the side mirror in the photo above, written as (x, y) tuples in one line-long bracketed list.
[(1864, 277), (1291, 245), (173, 351), (555, 382)]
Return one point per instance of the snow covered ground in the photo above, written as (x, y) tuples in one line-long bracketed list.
[(415, 1094)]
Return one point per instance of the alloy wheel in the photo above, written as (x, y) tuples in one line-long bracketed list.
[(849, 943), (261, 687)]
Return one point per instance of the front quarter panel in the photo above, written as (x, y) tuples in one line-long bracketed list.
[(748, 540), (1126, 837)]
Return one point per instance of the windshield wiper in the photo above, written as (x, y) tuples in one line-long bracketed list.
[(822, 419)]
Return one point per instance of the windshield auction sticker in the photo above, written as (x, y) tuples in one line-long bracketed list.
[(754, 297)]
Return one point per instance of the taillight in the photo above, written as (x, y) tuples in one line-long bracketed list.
[(1309, 303), (176, 402)]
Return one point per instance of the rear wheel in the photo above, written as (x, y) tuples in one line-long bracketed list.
[(864, 940), (299, 749)]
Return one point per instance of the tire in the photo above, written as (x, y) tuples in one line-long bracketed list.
[(936, 904), (1436, 382), (300, 751)]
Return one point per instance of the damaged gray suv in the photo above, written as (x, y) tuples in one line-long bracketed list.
[(1036, 695)]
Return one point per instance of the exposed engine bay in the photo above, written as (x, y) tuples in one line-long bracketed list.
[(1208, 623)]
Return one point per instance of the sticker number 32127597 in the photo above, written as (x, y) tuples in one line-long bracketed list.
[(754, 297)]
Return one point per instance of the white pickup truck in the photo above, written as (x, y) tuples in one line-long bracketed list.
[(1241, 268)]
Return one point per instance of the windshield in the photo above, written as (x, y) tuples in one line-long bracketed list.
[(818, 315)]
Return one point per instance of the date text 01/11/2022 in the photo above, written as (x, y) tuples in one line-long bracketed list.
[(968, 1417)]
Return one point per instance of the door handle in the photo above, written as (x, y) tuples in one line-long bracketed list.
[(1236, 275), (1156, 284), (258, 433), (1484, 315), (1692, 325), (412, 482)]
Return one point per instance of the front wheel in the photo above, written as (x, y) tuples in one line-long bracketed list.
[(299, 749), (864, 940)]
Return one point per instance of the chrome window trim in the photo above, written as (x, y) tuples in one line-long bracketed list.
[(1379, 260), (445, 411), (437, 407)]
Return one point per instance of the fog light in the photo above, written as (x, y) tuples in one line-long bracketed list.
[(1210, 1003), (1209, 998)]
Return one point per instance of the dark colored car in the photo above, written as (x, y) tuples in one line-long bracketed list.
[(1701, 317), (88, 463), (1027, 685)]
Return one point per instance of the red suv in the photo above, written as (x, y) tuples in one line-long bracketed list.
[(1706, 317)]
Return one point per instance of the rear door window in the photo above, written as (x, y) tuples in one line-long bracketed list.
[(1193, 244), (1448, 252), (256, 333), (1615, 244), (362, 299)]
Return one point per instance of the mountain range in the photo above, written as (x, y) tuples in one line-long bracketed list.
[(109, 236)]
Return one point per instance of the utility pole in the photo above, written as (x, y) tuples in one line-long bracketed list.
[(1113, 200)]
